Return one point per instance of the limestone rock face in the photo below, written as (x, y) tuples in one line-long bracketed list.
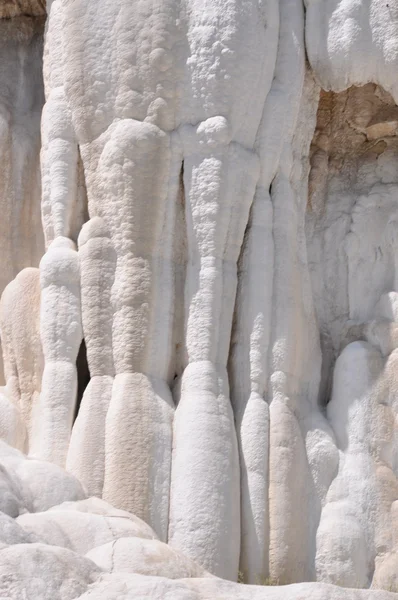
[(208, 343)]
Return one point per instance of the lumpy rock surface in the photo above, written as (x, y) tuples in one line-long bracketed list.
[(199, 310)]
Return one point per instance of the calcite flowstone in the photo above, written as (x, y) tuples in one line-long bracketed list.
[(202, 327), (86, 548)]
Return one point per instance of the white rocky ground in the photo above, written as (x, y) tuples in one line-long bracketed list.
[(56, 544)]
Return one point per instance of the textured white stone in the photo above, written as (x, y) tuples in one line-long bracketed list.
[(31, 485), (86, 454), (147, 557), (42, 557), (64, 528), (222, 234), (353, 43), (134, 587), (61, 335), (23, 360), (12, 533), (38, 571)]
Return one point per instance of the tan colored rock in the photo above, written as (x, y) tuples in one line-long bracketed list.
[(15, 8)]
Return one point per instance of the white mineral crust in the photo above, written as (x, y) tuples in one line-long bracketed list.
[(199, 318)]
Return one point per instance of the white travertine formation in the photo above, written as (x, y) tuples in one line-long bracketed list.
[(85, 548), (220, 221), (61, 335), (147, 557), (64, 528), (353, 43), (33, 571), (23, 360), (30, 485), (135, 587), (86, 455)]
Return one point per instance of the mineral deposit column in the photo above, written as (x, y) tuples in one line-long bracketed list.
[(219, 180), (86, 456), (225, 72), (20, 334), (248, 362), (124, 119), (248, 375), (60, 322), (136, 162)]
